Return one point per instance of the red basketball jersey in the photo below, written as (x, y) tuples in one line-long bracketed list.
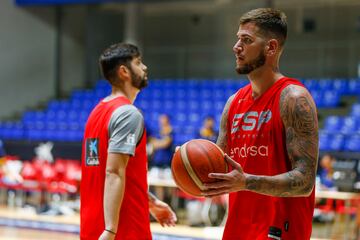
[(134, 213), (256, 140)]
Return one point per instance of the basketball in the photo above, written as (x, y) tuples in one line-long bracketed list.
[(193, 162)]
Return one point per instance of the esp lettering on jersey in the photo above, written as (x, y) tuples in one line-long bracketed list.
[(248, 125), (250, 120)]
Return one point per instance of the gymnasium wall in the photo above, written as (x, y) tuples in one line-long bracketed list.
[(178, 41), (204, 47), (26, 59)]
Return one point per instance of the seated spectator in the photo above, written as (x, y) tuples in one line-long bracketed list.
[(9, 169), (2, 152), (325, 208), (326, 172), (161, 144), (207, 130)]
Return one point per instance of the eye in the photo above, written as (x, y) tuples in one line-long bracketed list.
[(246, 40)]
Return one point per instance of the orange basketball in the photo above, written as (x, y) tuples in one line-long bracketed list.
[(193, 162)]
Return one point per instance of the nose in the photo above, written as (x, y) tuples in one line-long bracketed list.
[(145, 68), (237, 47)]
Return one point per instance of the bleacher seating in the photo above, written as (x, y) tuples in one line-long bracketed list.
[(187, 102)]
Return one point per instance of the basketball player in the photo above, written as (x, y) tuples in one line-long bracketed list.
[(269, 130), (114, 192)]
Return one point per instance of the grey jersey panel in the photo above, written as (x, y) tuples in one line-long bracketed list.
[(126, 127)]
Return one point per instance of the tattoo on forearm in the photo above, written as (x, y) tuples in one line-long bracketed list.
[(299, 116)]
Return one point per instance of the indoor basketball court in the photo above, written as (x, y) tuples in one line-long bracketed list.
[(51, 81)]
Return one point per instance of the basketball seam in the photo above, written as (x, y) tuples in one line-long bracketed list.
[(189, 168), (208, 157), (226, 165)]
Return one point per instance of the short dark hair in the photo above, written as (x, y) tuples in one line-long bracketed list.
[(115, 56), (271, 22)]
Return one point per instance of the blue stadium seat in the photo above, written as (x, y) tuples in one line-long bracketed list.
[(341, 86), (205, 94), (29, 116), (54, 105), (143, 105), (352, 143), (350, 125), (336, 142), (194, 106), (355, 110), (324, 141), (12, 130), (168, 106), (330, 99), (102, 84), (333, 123), (194, 120), (101, 93), (323, 85), (354, 87), (318, 98), (311, 84), (64, 105), (188, 101)]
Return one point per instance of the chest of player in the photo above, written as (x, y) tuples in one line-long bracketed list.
[(252, 128)]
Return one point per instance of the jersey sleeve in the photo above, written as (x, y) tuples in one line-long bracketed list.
[(126, 128)]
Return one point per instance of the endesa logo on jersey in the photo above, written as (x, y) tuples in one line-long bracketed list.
[(250, 151), (250, 120)]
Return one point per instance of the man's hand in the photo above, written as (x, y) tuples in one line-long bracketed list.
[(228, 182), (107, 236), (163, 213)]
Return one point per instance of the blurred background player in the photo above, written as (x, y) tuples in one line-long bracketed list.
[(161, 142), (115, 201), (207, 130), (326, 171)]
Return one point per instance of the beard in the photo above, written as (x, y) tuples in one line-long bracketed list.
[(138, 81), (251, 66)]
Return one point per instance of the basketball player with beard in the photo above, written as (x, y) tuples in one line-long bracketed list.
[(115, 202), (269, 131)]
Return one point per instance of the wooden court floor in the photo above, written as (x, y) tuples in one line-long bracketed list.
[(177, 233)]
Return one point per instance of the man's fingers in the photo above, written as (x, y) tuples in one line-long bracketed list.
[(215, 192), (222, 176), (232, 162), (215, 185)]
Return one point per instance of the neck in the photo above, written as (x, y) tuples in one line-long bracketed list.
[(263, 78), (126, 91)]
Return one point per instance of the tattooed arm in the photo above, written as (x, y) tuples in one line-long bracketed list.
[(298, 113), (222, 138)]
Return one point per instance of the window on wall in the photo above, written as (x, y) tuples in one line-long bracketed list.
[(309, 25)]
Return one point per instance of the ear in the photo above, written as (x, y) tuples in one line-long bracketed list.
[(272, 47), (123, 72)]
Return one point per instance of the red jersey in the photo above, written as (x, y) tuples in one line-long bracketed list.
[(134, 223), (256, 140)]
